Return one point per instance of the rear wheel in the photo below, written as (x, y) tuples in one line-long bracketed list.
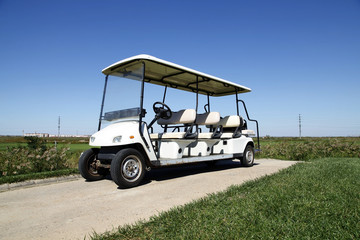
[(248, 157), (128, 168), (87, 165)]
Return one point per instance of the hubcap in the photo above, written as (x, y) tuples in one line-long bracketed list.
[(131, 168)]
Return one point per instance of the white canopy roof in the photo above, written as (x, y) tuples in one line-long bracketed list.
[(161, 72)]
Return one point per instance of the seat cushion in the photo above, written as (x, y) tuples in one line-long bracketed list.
[(169, 135), (248, 132), (154, 135), (226, 135), (207, 135)]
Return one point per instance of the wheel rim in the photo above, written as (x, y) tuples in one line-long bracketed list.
[(131, 168), (92, 166), (249, 156)]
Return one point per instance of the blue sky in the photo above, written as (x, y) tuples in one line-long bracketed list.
[(298, 57)]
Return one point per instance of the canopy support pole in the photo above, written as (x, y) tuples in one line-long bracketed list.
[(164, 94), (237, 102), (142, 112), (102, 102)]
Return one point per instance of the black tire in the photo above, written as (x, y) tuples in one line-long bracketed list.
[(248, 157), (128, 168), (87, 166)]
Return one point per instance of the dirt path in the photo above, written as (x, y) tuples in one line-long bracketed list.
[(73, 209)]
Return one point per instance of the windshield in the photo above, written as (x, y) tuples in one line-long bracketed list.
[(122, 97)]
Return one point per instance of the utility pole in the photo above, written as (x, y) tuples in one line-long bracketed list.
[(300, 125), (59, 127)]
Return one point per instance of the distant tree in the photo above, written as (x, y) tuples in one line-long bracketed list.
[(35, 143)]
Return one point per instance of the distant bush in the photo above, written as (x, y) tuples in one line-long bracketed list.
[(306, 150), (35, 143), (24, 160)]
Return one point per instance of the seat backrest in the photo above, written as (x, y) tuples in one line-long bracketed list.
[(231, 124), (231, 121), (184, 116), (209, 118)]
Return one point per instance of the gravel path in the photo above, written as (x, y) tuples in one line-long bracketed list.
[(75, 208)]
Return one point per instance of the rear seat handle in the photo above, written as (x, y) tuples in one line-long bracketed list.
[(189, 133), (218, 131), (237, 133)]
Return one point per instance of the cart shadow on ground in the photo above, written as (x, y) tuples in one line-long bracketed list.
[(167, 173), (179, 171)]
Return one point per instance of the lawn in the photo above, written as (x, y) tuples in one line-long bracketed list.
[(4, 146), (319, 199), (74, 143), (14, 162), (73, 146)]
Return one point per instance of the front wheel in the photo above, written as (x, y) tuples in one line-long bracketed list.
[(248, 157), (87, 165), (128, 168)]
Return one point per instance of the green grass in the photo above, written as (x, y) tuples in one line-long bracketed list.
[(75, 143), (4, 146), (305, 149), (39, 175), (313, 200), (275, 140), (72, 146)]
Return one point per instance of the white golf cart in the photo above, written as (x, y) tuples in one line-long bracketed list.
[(128, 146)]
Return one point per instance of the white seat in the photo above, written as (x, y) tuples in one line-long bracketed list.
[(208, 119), (248, 132), (185, 116), (229, 121), (203, 146), (154, 136), (226, 135), (232, 121), (207, 135), (170, 135)]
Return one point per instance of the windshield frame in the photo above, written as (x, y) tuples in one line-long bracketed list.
[(124, 114)]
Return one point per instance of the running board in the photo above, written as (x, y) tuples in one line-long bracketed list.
[(171, 161)]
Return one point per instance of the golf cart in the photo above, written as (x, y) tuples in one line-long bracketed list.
[(127, 144)]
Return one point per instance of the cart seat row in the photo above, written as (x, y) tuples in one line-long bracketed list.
[(227, 127)]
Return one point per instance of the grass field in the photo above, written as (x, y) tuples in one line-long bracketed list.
[(13, 162), (308, 148), (72, 146), (319, 199), (81, 144), (74, 143), (272, 140)]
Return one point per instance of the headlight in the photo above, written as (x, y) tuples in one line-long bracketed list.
[(117, 139), (92, 139)]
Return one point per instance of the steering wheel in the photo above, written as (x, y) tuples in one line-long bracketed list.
[(162, 111)]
